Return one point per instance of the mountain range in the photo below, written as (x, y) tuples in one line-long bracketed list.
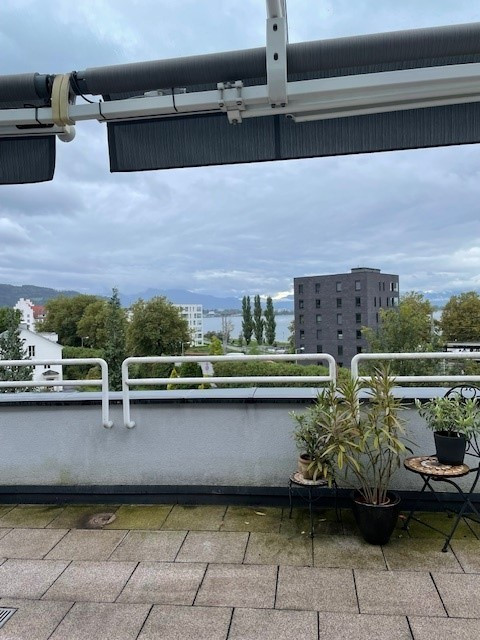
[(10, 294), (209, 302)]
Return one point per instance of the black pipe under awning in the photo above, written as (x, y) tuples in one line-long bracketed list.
[(407, 49)]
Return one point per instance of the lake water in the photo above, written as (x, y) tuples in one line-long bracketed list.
[(215, 324)]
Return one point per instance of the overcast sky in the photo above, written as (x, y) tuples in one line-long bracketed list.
[(237, 229)]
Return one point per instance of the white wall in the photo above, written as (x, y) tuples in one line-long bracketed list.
[(241, 442)]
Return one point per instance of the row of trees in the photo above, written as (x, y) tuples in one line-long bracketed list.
[(89, 326), (411, 327), (260, 324)]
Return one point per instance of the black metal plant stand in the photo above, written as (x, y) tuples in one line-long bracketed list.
[(311, 491), (433, 472)]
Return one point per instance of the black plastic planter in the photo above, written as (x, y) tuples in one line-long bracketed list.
[(450, 448), (376, 521)]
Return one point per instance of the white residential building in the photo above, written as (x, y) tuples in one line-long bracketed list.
[(43, 346), (31, 313), (193, 314)]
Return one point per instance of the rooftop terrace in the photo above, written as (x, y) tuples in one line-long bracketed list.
[(217, 572)]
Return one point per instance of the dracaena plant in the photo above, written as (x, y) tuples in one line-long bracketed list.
[(364, 441)]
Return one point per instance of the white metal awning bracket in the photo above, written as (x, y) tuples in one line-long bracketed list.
[(309, 100), (230, 100), (276, 53)]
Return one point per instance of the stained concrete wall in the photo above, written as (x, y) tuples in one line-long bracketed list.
[(194, 438)]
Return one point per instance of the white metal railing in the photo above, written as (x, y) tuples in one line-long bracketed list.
[(130, 382), (103, 381), (433, 355)]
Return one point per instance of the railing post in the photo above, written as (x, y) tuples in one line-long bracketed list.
[(107, 423), (126, 395)]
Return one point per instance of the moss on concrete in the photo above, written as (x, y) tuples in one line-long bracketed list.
[(30, 516), (194, 518), (130, 516), (263, 519), (77, 516)]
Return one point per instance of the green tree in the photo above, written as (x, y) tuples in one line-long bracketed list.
[(156, 328), (115, 344), (258, 321), (461, 318), (92, 325), (80, 371), (247, 320), (215, 348), (189, 370), (291, 337), (6, 317), (406, 328), (63, 315), (270, 324), (11, 348)]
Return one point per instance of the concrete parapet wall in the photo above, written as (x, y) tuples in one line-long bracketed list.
[(244, 440)]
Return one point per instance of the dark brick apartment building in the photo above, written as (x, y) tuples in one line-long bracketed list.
[(330, 311)]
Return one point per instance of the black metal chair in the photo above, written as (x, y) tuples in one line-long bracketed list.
[(431, 472)]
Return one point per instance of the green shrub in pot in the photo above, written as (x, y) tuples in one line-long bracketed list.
[(454, 420)]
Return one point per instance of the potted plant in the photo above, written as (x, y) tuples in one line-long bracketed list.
[(454, 420), (312, 464), (366, 442)]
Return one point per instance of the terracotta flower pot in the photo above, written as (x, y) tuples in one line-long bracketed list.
[(303, 463)]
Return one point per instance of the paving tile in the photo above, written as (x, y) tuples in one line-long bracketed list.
[(277, 548), (102, 620), (34, 620), (398, 593), (149, 546), (324, 523), (90, 581), (441, 521), (186, 623), (29, 543), (5, 508), (233, 585), (195, 518), (268, 624), (420, 555), (213, 546), (78, 516), (163, 583), (316, 589), (338, 626), (252, 519), (460, 593), (84, 544), (347, 552), (33, 516), (468, 554), (28, 578), (444, 628), (130, 516), (3, 532)]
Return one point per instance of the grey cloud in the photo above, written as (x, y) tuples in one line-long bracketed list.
[(231, 229)]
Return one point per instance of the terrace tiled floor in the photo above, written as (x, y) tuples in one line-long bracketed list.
[(215, 572)]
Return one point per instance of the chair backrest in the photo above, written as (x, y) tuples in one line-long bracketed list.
[(467, 391)]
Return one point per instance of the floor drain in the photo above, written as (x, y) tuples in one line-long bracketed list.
[(5, 615), (100, 520)]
